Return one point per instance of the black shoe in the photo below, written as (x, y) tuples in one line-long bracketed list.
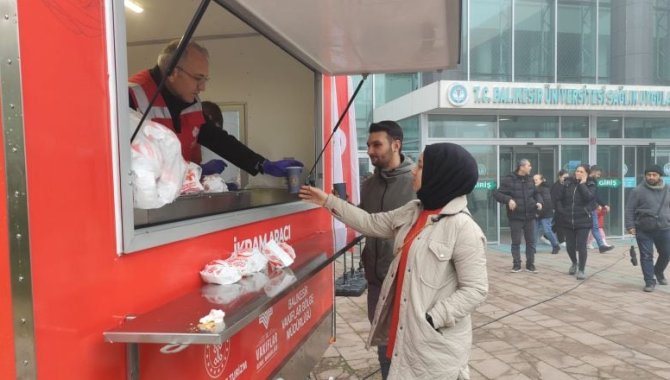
[(531, 269), (606, 248), (649, 288), (661, 281), (516, 269), (554, 251)]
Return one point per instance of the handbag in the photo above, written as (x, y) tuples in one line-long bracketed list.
[(648, 223)]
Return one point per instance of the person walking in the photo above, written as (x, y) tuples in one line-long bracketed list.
[(556, 189), (546, 214), (517, 193), (596, 173), (389, 187), (574, 207), (647, 217), (438, 274)]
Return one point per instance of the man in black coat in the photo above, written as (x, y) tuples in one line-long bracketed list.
[(517, 192)]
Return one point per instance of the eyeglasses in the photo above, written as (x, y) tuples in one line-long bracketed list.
[(200, 80)]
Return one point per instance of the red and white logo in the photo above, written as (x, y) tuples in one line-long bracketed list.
[(264, 318), (216, 358)]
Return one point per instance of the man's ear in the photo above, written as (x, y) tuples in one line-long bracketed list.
[(396, 145)]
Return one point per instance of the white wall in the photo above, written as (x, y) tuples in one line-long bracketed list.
[(277, 89)]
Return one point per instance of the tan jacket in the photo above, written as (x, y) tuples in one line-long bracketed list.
[(446, 278)]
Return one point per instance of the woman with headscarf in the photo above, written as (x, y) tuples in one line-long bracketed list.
[(438, 276)]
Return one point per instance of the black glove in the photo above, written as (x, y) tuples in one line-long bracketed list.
[(633, 255), (430, 321)]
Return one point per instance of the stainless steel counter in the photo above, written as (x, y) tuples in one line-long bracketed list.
[(195, 206), (176, 321)]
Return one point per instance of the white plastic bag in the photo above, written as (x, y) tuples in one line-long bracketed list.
[(192, 183), (157, 167), (213, 183), (220, 272), (280, 255), (248, 261)]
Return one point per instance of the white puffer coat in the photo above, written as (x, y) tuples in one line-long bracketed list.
[(446, 278)]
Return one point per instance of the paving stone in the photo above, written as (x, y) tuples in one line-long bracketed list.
[(542, 326)]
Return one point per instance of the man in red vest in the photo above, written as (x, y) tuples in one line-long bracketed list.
[(178, 107)]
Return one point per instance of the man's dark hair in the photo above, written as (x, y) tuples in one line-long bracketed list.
[(392, 129), (562, 172), (596, 168)]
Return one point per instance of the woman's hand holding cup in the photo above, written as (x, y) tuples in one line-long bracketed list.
[(313, 195)]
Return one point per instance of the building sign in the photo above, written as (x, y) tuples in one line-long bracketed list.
[(486, 185), (503, 95), (611, 183)]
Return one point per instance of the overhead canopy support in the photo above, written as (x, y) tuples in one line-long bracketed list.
[(344, 37)]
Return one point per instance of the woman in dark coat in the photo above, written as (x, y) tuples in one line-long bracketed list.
[(574, 209)]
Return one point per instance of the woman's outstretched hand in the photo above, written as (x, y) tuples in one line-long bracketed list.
[(313, 195)]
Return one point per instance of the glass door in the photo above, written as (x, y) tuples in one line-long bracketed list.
[(542, 158)]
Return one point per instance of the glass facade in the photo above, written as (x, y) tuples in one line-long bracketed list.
[(490, 40), (534, 41), (613, 42), (577, 34)]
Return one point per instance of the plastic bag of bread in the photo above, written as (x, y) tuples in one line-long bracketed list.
[(191, 184), (280, 255), (213, 183), (220, 272), (156, 165), (248, 261)]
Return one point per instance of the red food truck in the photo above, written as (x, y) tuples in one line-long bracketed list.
[(92, 287)]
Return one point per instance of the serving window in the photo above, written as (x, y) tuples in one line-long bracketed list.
[(269, 102)]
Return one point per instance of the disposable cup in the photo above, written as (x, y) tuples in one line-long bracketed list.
[(341, 189), (293, 178)]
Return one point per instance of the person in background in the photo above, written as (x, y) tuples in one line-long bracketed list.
[(575, 217), (517, 193), (438, 275), (389, 187), (555, 192), (179, 108), (650, 201), (596, 173), (545, 215), (600, 212)]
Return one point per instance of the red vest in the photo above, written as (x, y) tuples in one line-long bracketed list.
[(142, 89)]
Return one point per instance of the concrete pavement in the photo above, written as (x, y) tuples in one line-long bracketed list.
[(542, 326)]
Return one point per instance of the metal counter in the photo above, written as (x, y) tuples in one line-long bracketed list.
[(176, 322), (205, 204)]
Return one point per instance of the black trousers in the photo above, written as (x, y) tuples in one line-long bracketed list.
[(575, 242), (527, 229)]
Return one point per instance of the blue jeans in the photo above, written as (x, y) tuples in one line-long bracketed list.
[(595, 230), (544, 225), (373, 298), (525, 228), (646, 242)]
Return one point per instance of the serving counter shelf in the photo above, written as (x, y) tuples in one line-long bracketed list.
[(175, 323), (198, 205)]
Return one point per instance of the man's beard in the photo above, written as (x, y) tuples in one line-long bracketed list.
[(655, 183), (383, 161)]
